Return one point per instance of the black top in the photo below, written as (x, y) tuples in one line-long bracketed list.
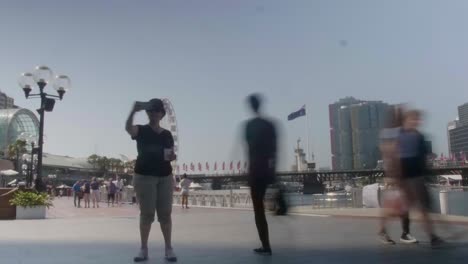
[(94, 185), (260, 135), (87, 188), (150, 147), (414, 165)]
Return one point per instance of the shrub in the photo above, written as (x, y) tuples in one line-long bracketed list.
[(31, 199)]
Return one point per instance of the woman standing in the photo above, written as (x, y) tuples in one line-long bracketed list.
[(87, 194), (153, 180), (185, 186), (111, 190), (95, 193)]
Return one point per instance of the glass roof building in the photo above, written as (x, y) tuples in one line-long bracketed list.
[(15, 122)]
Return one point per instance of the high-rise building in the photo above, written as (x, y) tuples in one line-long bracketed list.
[(340, 132), (458, 133), (451, 125), (6, 102), (463, 114), (354, 129)]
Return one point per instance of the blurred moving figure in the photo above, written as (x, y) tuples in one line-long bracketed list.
[(261, 138), (393, 202), (413, 153)]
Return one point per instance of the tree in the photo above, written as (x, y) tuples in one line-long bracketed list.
[(15, 150), (93, 160), (103, 164), (116, 165), (129, 166)]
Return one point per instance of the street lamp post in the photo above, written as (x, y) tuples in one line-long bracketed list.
[(41, 77)]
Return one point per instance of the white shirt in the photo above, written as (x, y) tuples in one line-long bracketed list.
[(185, 184)]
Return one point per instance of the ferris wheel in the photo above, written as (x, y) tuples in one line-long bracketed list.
[(170, 123)]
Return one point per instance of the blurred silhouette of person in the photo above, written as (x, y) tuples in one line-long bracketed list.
[(184, 190), (153, 180), (261, 139), (391, 160), (413, 159)]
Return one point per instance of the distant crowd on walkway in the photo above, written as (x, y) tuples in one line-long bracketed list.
[(113, 192)]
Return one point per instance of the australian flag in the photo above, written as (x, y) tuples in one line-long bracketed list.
[(294, 115)]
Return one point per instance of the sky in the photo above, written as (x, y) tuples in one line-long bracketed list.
[(206, 56)]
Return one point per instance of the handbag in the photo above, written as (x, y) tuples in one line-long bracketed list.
[(394, 202)]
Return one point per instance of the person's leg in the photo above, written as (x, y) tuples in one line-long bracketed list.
[(424, 202), (98, 198), (165, 188), (74, 198), (258, 194), (145, 188), (186, 201), (405, 223), (93, 198)]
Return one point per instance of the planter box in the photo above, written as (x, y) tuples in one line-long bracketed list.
[(37, 212)]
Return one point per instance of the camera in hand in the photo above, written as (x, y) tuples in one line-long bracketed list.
[(144, 105)]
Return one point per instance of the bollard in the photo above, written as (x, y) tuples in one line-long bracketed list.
[(444, 206)]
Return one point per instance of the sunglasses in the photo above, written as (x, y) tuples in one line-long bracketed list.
[(154, 111)]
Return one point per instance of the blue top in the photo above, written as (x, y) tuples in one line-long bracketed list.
[(409, 144), (76, 187)]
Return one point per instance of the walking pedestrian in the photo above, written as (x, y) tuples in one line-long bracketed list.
[(95, 192), (153, 181), (184, 190), (394, 203), (413, 159), (260, 135)]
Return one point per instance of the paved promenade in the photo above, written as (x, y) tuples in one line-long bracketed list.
[(204, 235)]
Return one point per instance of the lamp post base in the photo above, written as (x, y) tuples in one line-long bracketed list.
[(39, 185)]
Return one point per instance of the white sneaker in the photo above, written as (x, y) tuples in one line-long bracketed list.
[(170, 255), (408, 239), (142, 256)]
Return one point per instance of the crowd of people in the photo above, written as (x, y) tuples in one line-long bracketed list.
[(92, 191)]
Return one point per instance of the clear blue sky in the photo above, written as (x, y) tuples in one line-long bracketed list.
[(206, 56)]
